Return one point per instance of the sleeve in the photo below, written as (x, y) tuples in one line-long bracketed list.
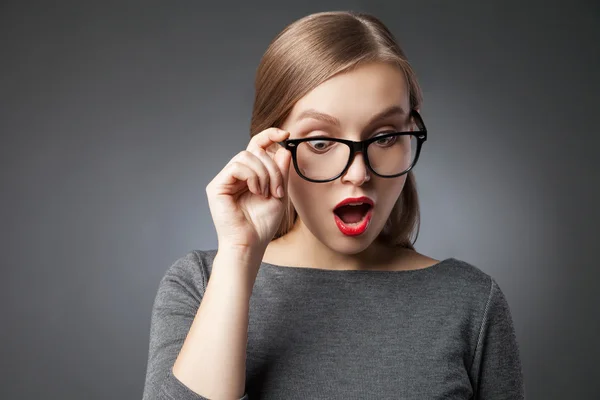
[(497, 364), (176, 303)]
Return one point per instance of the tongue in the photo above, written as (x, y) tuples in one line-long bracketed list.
[(352, 214)]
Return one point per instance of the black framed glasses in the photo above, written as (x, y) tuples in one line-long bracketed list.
[(389, 154)]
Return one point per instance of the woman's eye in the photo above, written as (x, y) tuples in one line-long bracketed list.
[(319, 144), (386, 141)]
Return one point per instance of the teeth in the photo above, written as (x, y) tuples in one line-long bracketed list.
[(356, 203)]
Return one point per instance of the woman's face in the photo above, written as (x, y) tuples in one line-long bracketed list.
[(354, 99)]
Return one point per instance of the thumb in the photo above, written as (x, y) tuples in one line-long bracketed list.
[(283, 159)]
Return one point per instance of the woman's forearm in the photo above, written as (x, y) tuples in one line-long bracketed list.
[(212, 360)]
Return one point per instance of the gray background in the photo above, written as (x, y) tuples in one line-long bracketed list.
[(115, 116)]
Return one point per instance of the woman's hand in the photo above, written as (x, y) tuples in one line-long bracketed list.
[(243, 199)]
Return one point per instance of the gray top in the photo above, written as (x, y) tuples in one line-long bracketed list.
[(441, 332)]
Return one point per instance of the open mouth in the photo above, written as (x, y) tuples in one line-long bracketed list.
[(352, 214)]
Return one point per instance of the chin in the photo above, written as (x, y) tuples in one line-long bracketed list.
[(351, 247), (350, 244)]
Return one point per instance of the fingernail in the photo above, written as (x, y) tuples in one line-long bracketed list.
[(279, 191)]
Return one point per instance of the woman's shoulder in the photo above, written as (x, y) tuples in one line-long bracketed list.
[(412, 260), (451, 272), (465, 277), (190, 271), (467, 286), (193, 262)]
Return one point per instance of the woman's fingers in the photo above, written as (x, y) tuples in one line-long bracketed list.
[(266, 138), (283, 159), (263, 173), (239, 171), (261, 145), (258, 167), (275, 178)]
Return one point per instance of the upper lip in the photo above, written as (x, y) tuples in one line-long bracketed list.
[(362, 199)]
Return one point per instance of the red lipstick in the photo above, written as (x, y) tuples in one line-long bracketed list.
[(357, 227)]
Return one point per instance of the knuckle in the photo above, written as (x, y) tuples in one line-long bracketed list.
[(265, 158), (276, 129), (210, 188), (255, 138), (264, 175), (253, 157), (243, 155), (253, 153), (264, 164)]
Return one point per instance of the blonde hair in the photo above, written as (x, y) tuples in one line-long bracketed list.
[(307, 53)]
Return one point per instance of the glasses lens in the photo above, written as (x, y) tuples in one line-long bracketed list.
[(322, 159), (392, 155)]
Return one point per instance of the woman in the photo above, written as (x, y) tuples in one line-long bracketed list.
[(315, 290)]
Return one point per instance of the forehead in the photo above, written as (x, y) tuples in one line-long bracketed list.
[(355, 96)]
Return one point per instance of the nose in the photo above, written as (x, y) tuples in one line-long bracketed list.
[(358, 172)]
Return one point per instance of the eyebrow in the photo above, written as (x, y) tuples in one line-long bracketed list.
[(314, 114)]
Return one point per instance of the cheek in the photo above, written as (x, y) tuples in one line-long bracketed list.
[(388, 192), (303, 194), (295, 187)]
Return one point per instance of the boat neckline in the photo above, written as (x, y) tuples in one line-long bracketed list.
[(358, 271)]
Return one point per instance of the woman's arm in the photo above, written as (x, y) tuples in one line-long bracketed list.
[(212, 361), (497, 366), (198, 339)]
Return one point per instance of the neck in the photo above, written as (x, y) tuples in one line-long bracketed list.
[(300, 248)]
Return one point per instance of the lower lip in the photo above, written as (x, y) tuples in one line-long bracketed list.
[(354, 229)]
